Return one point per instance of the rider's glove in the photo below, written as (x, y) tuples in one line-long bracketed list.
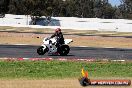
[(47, 39)]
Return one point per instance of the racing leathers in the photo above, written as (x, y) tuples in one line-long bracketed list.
[(59, 38)]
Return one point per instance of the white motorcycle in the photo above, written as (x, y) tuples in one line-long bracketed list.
[(49, 46)]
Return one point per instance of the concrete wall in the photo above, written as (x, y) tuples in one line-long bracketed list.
[(119, 25)]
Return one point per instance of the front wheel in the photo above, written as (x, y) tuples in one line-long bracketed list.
[(41, 51), (63, 50)]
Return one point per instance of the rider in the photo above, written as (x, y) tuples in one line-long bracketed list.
[(59, 37)]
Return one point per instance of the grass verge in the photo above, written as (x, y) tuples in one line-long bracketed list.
[(62, 69), (89, 38), (66, 31)]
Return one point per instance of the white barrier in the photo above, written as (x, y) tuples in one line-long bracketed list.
[(118, 25)]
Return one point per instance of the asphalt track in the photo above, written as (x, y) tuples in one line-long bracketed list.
[(29, 51)]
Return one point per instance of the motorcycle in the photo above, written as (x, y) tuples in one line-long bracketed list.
[(49, 46)]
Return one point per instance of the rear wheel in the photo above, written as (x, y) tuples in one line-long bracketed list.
[(40, 50), (63, 50)]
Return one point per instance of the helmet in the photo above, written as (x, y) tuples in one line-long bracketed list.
[(57, 29)]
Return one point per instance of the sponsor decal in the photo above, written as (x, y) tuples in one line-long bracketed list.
[(85, 81)]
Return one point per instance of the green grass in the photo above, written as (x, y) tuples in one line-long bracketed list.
[(59, 69)]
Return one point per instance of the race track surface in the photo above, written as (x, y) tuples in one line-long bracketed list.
[(29, 51)]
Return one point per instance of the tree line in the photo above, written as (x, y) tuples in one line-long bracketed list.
[(68, 8)]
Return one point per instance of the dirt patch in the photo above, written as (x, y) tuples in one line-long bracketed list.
[(90, 41), (39, 84), (60, 83)]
